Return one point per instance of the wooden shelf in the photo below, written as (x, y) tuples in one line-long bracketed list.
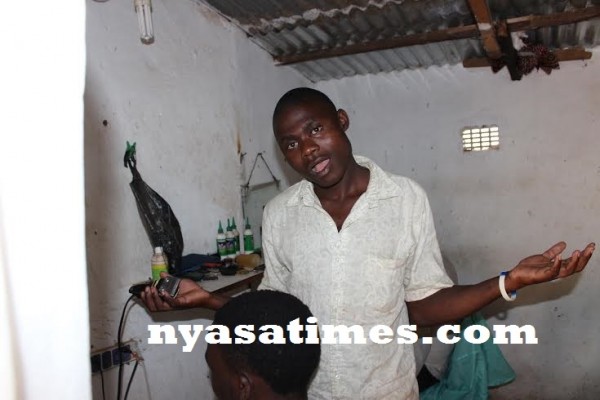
[(233, 283)]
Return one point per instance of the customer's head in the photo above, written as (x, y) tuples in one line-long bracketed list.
[(256, 370)]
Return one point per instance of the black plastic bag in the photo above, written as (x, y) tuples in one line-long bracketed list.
[(158, 219)]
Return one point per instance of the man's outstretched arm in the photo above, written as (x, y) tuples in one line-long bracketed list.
[(454, 303), (191, 295)]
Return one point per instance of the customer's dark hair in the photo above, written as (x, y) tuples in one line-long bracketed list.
[(302, 95), (287, 368)]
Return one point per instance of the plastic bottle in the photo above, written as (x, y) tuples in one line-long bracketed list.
[(159, 263), (236, 236), (248, 239), (221, 242), (230, 240)]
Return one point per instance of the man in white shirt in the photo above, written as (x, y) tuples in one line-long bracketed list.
[(358, 246), (347, 278)]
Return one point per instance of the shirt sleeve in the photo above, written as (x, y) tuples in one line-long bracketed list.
[(426, 274), (276, 273)]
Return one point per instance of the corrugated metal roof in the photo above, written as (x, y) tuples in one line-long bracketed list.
[(287, 28)]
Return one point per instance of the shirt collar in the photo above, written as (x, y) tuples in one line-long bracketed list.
[(380, 187)]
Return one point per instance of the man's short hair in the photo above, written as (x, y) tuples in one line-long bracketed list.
[(286, 368), (302, 95)]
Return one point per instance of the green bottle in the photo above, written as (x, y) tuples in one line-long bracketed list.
[(248, 239), (230, 240), (221, 242), (236, 236), (159, 263)]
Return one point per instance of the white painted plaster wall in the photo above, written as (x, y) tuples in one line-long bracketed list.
[(494, 208), (192, 101), (202, 87), (43, 304)]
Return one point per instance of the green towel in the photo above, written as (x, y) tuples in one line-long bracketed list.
[(472, 368)]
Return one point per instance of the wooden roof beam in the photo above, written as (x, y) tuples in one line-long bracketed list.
[(531, 22), (485, 24), (461, 32), (509, 53), (573, 54)]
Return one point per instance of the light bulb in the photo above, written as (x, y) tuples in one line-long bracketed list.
[(143, 9)]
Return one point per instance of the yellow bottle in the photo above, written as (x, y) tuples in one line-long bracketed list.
[(248, 261), (159, 263)]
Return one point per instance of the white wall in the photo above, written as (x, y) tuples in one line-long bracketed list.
[(191, 101), (43, 304), (189, 98), (494, 208)]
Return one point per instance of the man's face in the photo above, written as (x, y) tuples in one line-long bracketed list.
[(313, 140), (224, 380)]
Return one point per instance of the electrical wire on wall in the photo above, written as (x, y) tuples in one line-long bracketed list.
[(102, 379), (116, 356), (245, 188), (131, 378), (119, 345)]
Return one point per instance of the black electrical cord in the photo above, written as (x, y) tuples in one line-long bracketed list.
[(119, 333), (131, 379), (102, 378)]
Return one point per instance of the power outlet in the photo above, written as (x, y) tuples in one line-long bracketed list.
[(123, 356), (112, 357), (96, 363), (106, 360)]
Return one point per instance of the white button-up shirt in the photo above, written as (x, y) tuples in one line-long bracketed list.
[(385, 254)]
